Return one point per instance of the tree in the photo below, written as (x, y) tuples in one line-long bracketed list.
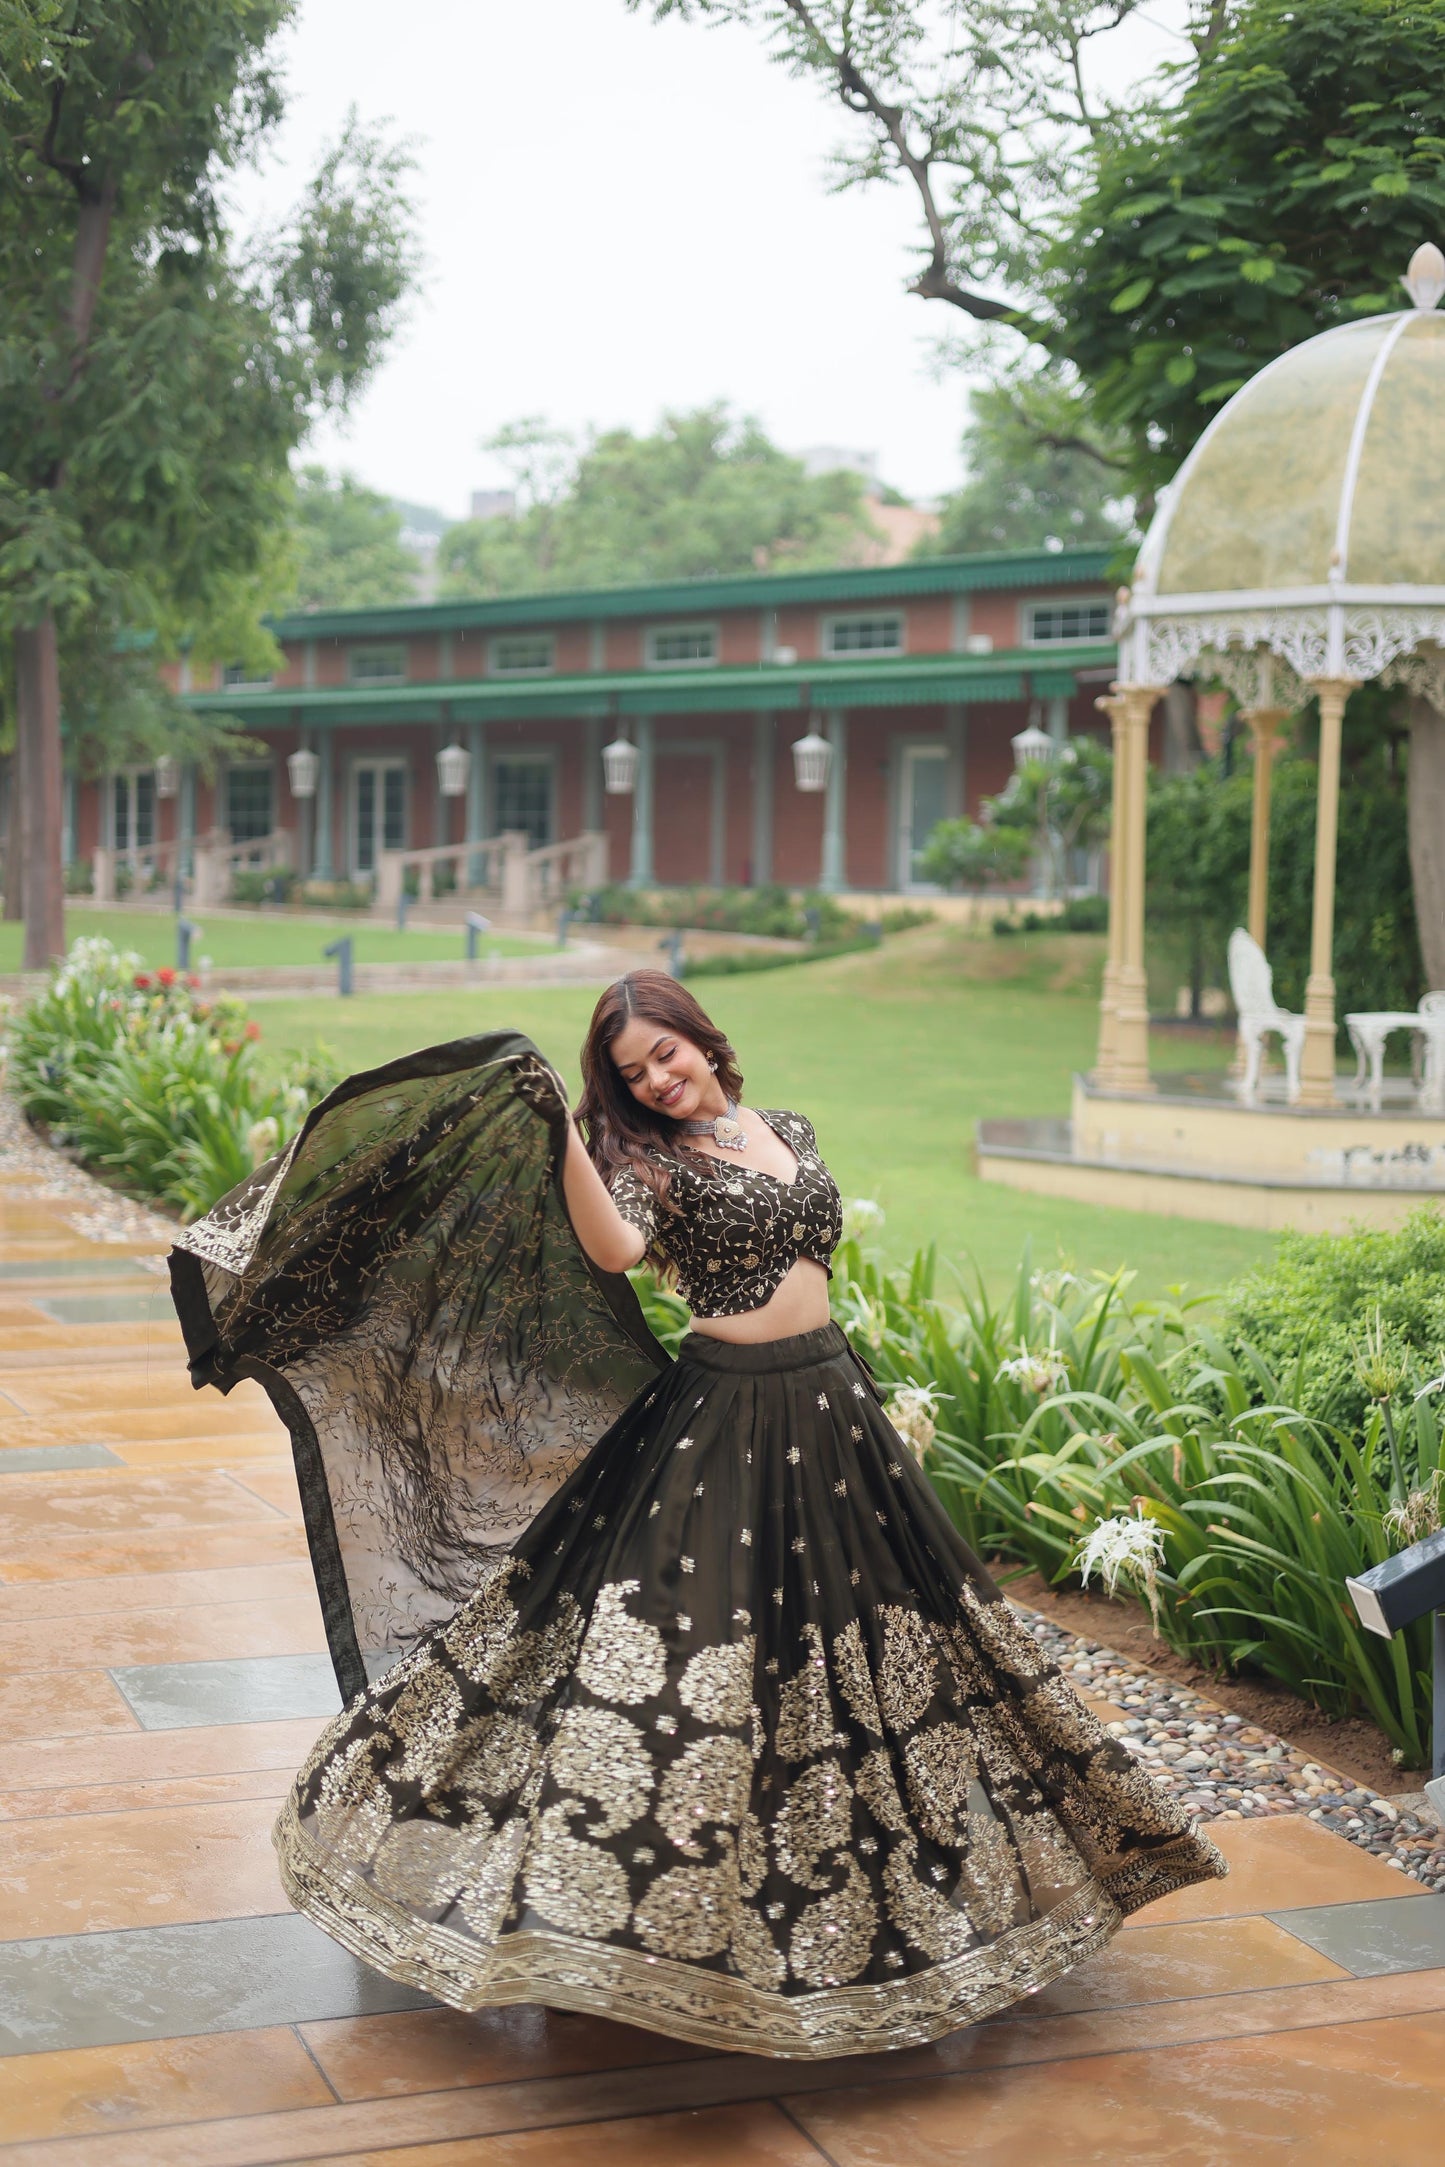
[(971, 854), (349, 551), (704, 494), (1036, 479), (1283, 194), (1061, 804), (157, 376)]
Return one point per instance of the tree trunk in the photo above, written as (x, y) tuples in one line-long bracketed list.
[(37, 706), (15, 840), (1426, 786), (1182, 750)]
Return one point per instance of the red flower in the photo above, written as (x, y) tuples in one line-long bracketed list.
[(253, 1030), (142, 983), (231, 1047), (192, 980), (165, 976)]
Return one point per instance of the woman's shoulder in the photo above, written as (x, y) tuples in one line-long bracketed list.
[(784, 1117)]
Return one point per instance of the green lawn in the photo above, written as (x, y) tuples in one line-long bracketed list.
[(894, 1055), (232, 943)]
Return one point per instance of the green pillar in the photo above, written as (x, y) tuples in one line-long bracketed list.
[(835, 805), (641, 874)]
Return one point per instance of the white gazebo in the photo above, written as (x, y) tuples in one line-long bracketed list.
[(1299, 550)]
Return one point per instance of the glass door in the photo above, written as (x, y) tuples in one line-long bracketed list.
[(378, 813), (923, 802), (522, 798)]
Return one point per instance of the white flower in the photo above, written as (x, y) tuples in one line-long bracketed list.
[(1124, 1548), (913, 1411), (1041, 1373), (262, 1138), (861, 1218)]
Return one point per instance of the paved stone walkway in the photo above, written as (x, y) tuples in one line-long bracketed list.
[(161, 1675)]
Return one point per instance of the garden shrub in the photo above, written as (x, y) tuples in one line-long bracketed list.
[(147, 1081), (1328, 1310), (1081, 914), (773, 912), (256, 884)]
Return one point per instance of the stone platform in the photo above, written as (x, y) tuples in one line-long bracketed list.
[(1192, 1148), (162, 1674)]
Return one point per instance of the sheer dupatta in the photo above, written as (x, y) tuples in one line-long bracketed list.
[(405, 1283)]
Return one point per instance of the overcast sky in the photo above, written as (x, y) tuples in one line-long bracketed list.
[(620, 217)]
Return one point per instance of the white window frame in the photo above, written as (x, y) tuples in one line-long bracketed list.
[(1068, 601), (498, 668), (375, 647), (229, 683), (266, 766), (654, 633), (835, 618)]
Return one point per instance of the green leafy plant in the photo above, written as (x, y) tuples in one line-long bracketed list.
[(152, 1084), (1073, 1407)]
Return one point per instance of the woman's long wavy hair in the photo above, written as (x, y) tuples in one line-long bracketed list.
[(619, 1131)]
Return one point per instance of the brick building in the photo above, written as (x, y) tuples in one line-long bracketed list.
[(916, 675)]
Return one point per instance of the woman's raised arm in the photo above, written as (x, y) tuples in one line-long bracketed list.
[(611, 1241)]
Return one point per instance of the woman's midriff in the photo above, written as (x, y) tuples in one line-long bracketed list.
[(800, 1304)]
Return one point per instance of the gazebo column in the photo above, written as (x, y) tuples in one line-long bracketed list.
[(1124, 1025), (1317, 1066), (1112, 705), (1263, 724)]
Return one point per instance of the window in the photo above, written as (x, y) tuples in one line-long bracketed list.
[(249, 811), (240, 677), (684, 646), (523, 654), (377, 665), (134, 802), (882, 635), (522, 798), (1047, 622)]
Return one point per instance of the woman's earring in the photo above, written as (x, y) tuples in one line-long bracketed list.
[(712, 1064)]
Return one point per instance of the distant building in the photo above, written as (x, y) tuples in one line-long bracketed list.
[(494, 504), (916, 675)]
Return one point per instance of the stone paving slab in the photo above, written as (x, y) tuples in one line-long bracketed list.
[(1371, 1938), (244, 1689)]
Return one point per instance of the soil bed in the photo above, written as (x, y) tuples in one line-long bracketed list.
[(1349, 1743)]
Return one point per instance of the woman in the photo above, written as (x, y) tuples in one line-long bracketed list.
[(717, 1726)]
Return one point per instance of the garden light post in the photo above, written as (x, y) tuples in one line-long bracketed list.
[(1393, 1595), (185, 934), (344, 951), (476, 924)]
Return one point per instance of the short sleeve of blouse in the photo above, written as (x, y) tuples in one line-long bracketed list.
[(636, 1202)]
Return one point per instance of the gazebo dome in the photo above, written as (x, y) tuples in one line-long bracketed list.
[(1311, 503)]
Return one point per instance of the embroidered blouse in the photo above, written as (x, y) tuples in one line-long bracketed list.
[(733, 1237)]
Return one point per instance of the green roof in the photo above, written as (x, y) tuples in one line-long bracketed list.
[(888, 681), (750, 590)]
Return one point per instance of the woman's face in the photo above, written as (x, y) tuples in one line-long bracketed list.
[(664, 1071)]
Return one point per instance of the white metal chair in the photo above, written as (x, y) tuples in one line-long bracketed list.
[(1251, 982)]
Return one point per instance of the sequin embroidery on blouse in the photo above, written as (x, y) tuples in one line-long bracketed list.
[(733, 1237)]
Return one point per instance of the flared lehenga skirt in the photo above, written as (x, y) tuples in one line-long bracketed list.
[(738, 1743)]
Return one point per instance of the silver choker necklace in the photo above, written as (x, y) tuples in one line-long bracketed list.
[(726, 1130)]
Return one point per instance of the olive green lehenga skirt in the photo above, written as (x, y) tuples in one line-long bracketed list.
[(736, 1742)]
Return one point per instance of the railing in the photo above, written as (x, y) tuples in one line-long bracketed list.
[(213, 861), (517, 881)]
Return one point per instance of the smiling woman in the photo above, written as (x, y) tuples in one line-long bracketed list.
[(714, 1724)]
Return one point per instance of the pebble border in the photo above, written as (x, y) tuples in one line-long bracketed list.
[(1224, 1768), (102, 1215)]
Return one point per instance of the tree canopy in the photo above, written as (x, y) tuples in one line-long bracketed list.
[(1039, 475), (703, 494), (349, 553), (156, 374), (1282, 194)]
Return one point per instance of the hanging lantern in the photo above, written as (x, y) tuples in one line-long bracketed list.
[(453, 762), (168, 776), (812, 758), (1034, 744), (620, 762), (302, 769)]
